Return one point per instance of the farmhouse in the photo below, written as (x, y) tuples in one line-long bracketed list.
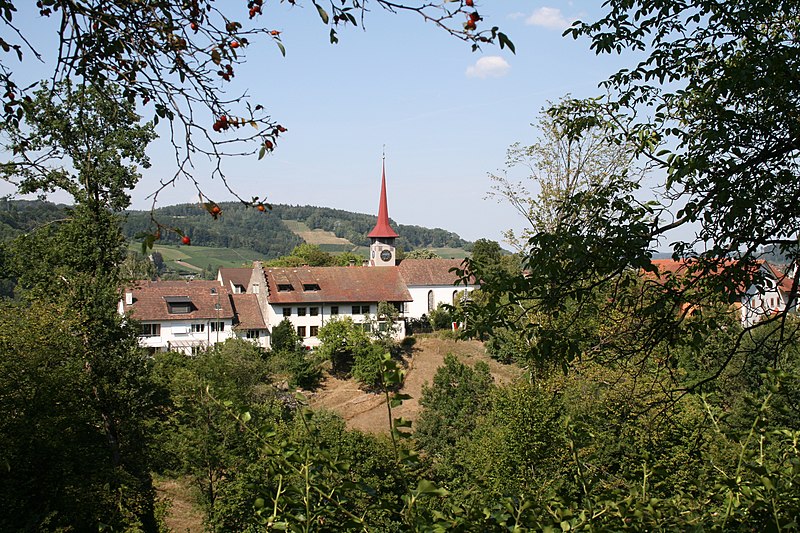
[(248, 302)]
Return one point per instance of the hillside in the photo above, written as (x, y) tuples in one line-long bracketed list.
[(266, 235)]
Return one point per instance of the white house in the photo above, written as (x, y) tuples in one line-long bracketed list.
[(755, 302), (184, 316)]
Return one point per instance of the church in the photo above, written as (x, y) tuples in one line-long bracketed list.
[(189, 316)]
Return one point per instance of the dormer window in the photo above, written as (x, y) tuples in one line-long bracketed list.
[(310, 287), (179, 305), (213, 290), (285, 287)]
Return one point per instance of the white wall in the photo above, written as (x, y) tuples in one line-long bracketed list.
[(441, 294), (178, 335)]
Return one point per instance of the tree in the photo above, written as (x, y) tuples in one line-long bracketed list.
[(342, 340), (422, 253), (72, 265), (722, 132), (559, 166), (183, 55)]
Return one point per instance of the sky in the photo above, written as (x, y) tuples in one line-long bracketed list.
[(444, 115)]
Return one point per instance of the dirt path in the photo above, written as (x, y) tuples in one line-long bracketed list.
[(183, 516), (367, 412)]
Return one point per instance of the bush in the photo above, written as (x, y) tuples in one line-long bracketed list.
[(367, 366), (441, 318)]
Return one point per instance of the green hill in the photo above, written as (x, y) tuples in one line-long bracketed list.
[(241, 234)]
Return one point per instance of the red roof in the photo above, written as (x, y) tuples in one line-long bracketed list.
[(150, 300), (336, 284), (237, 276), (382, 228), (682, 268), (416, 272), (248, 313)]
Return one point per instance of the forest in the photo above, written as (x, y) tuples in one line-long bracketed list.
[(236, 227), (645, 403)]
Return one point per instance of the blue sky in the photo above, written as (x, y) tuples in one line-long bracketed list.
[(445, 114)]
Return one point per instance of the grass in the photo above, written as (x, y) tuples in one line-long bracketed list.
[(317, 236), (202, 256)]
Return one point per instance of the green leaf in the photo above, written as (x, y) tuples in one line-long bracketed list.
[(245, 417), (322, 13), (281, 48), (506, 42)]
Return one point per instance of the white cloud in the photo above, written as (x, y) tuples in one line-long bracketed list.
[(489, 67), (548, 17), (517, 15)]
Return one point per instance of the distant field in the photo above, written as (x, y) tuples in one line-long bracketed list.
[(202, 256), (316, 236), (451, 253)]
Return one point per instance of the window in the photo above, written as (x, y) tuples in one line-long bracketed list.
[(364, 309), (334, 309), (256, 288), (310, 287), (198, 328), (313, 331), (356, 309), (431, 304), (197, 350), (178, 305), (287, 311), (366, 326), (301, 311), (150, 330), (313, 311), (301, 331), (253, 334), (285, 287), (217, 326)]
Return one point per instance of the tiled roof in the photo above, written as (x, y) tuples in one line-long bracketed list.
[(149, 300), (425, 272), (337, 284), (247, 311), (237, 276), (681, 268)]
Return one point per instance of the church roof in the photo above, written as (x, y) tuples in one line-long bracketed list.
[(335, 284), (382, 228), (429, 272)]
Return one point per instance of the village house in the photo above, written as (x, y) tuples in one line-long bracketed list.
[(754, 302), (248, 302)]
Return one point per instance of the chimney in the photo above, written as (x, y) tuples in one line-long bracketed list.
[(352, 262)]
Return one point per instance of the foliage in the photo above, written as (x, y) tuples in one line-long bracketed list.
[(78, 140), (422, 253), (441, 318), (342, 341), (558, 167), (723, 135), (197, 437), (451, 406), (289, 357)]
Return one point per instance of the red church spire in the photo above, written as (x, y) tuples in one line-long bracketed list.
[(382, 229)]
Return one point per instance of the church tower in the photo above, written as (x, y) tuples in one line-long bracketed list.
[(382, 236)]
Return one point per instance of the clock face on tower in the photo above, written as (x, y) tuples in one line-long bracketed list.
[(386, 255)]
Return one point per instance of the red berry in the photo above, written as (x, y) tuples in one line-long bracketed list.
[(261, 207), (186, 240), (234, 44), (193, 25), (269, 145), (469, 3), (215, 210)]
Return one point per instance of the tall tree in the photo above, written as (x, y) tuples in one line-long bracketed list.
[(72, 265), (558, 166)]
